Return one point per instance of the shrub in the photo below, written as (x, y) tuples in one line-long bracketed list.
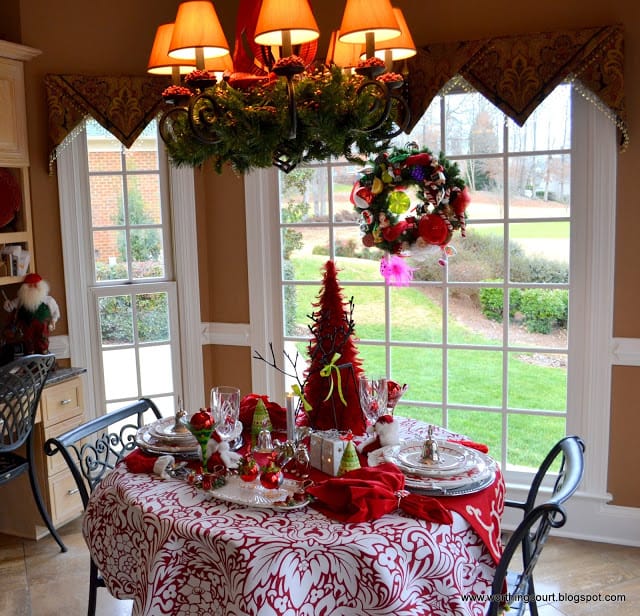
[(547, 270), (348, 248), (492, 306), (290, 299), (543, 309), (491, 303), (116, 324), (140, 270)]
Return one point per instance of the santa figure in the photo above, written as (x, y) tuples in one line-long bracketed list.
[(385, 432), (36, 314)]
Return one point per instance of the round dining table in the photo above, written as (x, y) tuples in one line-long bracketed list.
[(175, 549)]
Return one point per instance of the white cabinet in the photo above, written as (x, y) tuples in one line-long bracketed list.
[(16, 237)]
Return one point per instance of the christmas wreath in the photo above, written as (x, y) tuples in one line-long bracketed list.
[(394, 222)]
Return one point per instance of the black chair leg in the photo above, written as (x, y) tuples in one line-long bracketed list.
[(93, 588), (37, 495)]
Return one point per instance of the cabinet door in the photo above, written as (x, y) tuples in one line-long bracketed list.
[(13, 127)]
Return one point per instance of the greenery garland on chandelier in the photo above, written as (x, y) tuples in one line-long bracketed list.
[(247, 123)]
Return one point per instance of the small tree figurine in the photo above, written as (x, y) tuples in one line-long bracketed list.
[(331, 379)]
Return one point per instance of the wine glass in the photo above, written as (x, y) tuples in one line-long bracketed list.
[(373, 397), (225, 408)]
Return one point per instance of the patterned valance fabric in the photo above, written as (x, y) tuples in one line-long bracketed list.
[(123, 105), (516, 73)]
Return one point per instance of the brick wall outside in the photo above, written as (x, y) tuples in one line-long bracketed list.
[(107, 194)]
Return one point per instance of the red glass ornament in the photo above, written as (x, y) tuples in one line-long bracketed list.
[(201, 420), (248, 469), (271, 477)]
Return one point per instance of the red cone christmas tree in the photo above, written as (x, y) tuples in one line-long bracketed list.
[(331, 378)]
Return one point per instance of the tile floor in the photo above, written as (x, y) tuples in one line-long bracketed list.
[(38, 580)]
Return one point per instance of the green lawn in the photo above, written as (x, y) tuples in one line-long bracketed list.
[(474, 375), (533, 230)]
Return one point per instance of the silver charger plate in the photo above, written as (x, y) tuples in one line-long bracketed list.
[(469, 488)]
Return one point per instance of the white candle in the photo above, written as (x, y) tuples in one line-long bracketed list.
[(291, 404)]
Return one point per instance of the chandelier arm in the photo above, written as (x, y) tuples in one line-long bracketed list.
[(168, 122), (402, 117), (293, 114), (203, 114), (383, 98)]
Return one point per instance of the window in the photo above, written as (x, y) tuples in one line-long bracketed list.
[(482, 342), (133, 296), (124, 308)]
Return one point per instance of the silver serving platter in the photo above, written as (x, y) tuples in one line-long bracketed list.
[(253, 494)]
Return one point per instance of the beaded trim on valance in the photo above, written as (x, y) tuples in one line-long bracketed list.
[(516, 73), (123, 105)]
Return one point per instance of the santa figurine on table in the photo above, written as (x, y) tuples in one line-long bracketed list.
[(36, 314), (385, 432)]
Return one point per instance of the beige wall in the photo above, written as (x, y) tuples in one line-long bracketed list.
[(114, 36)]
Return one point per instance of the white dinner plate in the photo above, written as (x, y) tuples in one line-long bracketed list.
[(470, 480), (165, 429), (148, 441), (454, 459), (159, 438)]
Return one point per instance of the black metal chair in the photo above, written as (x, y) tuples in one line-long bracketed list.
[(510, 587), (21, 383), (92, 450)]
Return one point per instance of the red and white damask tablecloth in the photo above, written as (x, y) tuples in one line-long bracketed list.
[(175, 549)]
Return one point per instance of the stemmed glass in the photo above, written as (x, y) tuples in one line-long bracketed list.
[(201, 425), (373, 397), (225, 408)]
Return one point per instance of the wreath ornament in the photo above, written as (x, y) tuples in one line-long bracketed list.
[(393, 222)]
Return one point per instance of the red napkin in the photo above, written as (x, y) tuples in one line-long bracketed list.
[(473, 445), (140, 462), (368, 493)]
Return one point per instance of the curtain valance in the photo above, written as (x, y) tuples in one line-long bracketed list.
[(123, 105), (517, 72)]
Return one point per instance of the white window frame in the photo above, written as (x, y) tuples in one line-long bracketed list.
[(594, 159), (74, 197)]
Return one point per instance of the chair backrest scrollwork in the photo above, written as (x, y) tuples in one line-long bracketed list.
[(21, 383), (93, 449)]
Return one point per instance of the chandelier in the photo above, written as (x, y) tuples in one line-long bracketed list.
[(275, 103)]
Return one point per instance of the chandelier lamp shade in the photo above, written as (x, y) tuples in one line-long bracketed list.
[(160, 62), (365, 22), (344, 55), (283, 23), (197, 33), (398, 48), (273, 103)]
